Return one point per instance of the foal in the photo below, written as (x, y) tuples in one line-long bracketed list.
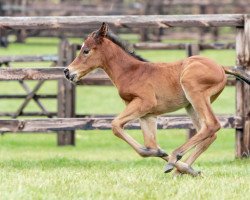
[(151, 89)]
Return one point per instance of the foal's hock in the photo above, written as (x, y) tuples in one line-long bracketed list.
[(151, 89)]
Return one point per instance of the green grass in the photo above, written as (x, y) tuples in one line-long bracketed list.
[(101, 166)]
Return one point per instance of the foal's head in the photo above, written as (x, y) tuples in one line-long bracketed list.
[(94, 51), (90, 56)]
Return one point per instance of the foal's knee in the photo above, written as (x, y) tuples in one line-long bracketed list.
[(212, 127), (116, 127)]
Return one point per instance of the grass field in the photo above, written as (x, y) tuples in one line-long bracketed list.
[(104, 167)]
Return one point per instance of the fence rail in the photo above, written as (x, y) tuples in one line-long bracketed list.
[(127, 21), (51, 73), (56, 73), (165, 46), (28, 58), (69, 124)]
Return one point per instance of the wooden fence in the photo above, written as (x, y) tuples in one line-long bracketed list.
[(129, 21), (120, 7), (98, 78), (240, 122), (31, 94)]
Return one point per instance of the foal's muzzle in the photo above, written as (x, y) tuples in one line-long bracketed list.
[(68, 75)]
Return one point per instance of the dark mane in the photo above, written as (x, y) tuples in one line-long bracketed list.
[(124, 45)]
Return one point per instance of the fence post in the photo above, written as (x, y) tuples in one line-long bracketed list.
[(191, 50), (3, 35), (66, 94), (243, 90), (203, 10), (144, 32)]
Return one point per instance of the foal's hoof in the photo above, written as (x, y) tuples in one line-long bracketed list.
[(161, 153), (169, 167), (189, 171), (192, 172)]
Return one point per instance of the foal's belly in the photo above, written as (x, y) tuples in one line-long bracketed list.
[(170, 102), (167, 107)]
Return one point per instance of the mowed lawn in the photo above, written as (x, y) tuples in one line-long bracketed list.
[(102, 166)]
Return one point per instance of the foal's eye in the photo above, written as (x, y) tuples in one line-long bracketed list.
[(86, 51)]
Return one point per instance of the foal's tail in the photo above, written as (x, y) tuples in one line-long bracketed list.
[(239, 73)]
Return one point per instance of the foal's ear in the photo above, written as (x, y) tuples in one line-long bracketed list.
[(102, 32)]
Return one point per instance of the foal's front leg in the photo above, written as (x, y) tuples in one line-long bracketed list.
[(134, 110), (149, 129)]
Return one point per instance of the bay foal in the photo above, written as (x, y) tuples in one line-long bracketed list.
[(151, 89)]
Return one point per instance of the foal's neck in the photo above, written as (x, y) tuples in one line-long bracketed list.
[(118, 63)]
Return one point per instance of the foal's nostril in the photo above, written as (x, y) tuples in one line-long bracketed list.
[(66, 71)]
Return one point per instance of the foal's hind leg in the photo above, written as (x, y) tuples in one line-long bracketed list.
[(200, 101), (196, 122), (200, 148), (209, 127)]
